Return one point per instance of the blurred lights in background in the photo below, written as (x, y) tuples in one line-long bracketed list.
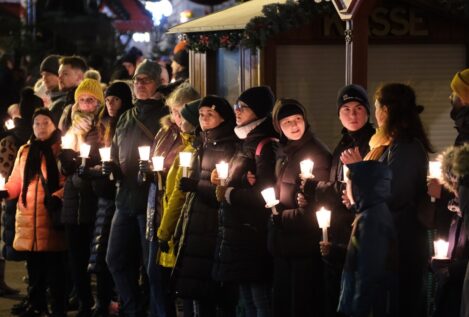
[(141, 37), (159, 9), (185, 16)]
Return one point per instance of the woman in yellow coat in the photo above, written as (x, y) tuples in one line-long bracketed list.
[(34, 180)]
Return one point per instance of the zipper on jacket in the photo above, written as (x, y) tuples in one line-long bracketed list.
[(35, 215)]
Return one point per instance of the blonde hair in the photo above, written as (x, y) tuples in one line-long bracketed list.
[(183, 94)]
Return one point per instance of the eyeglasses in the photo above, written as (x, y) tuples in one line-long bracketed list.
[(87, 100), (239, 107), (143, 81)]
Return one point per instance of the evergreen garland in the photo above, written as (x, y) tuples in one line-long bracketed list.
[(277, 18)]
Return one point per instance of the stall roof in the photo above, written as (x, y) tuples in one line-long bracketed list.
[(234, 18)]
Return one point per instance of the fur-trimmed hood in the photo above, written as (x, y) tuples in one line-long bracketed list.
[(461, 160)]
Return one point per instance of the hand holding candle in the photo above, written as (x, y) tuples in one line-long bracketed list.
[(222, 171), (306, 167), (105, 153), (269, 196), (324, 220), (185, 162), (67, 141), (158, 166), (9, 124)]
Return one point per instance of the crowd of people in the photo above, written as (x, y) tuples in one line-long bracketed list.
[(85, 203)]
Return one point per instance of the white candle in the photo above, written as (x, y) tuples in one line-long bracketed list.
[(9, 124), (324, 220), (158, 163), (144, 152), (222, 171), (344, 173), (434, 171), (271, 201), (105, 153), (306, 167), (2, 182), (441, 249), (185, 162), (67, 141), (84, 152)]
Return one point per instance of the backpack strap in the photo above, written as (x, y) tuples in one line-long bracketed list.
[(263, 142), (142, 127)]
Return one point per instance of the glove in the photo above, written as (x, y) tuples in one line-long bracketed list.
[(164, 246), (89, 173), (68, 160), (144, 167), (3, 194), (309, 189), (220, 193), (188, 184)]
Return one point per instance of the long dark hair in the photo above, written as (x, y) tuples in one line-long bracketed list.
[(403, 121)]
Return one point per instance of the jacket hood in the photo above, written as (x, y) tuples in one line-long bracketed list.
[(461, 160), (371, 183), (279, 105)]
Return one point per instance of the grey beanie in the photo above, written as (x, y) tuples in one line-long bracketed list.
[(150, 68), (50, 64)]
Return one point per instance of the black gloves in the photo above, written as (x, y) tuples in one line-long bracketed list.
[(144, 167), (68, 161), (309, 189), (188, 184), (164, 246), (3, 194), (89, 173), (109, 167)]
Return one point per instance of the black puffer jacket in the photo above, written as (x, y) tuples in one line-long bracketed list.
[(58, 106), (461, 121), (329, 194), (241, 254), (295, 231), (199, 225), (128, 137), (79, 201)]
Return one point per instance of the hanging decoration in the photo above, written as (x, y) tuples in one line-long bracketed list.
[(277, 17)]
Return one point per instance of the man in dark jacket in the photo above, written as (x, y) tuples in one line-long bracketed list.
[(71, 73), (136, 127), (49, 71)]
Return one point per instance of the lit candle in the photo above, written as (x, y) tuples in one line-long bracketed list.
[(185, 162), (105, 153), (271, 201), (344, 173), (84, 152), (158, 163), (67, 141), (9, 124), (144, 153), (434, 171), (324, 220), (441, 249), (2, 182), (222, 171), (306, 167)]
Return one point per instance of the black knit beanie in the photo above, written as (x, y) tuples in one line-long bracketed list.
[(50, 64), (353, 93), (220, 105), (182, 58), (44, 112), (190, 112), (260, 99), (121, 90), (289, 110)]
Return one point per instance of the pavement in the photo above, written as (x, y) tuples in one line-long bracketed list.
[(14, 273)]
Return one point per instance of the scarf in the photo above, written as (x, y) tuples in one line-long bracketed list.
[(243, 131), (378, 144), (82, 123), (32, 168)]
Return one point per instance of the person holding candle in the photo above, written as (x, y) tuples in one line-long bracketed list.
[(37, 182), (369, 280), (118, 99), (168, 142), (450, 271), (136, 127), (293, 235), (241, 255), (403, 145), (353, 110), (80, 202), (199, 221)]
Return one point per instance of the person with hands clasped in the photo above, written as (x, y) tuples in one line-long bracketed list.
[(369, 279), (199, 220), (37, 182), (241, 254), (294, 234), (80, 202)]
